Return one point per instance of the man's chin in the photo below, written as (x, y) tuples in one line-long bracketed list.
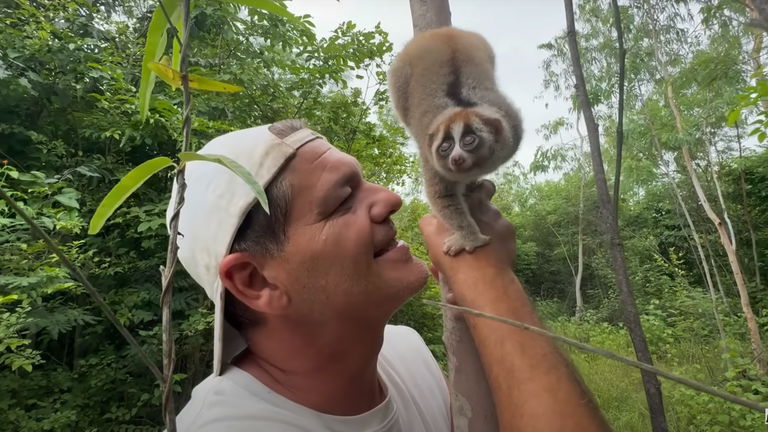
[(420, 278)]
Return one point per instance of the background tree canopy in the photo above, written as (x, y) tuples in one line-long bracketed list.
[(70, 128)]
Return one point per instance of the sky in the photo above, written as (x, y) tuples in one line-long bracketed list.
[(514, 29)]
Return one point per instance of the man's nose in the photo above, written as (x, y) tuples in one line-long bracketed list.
[(385, 203)]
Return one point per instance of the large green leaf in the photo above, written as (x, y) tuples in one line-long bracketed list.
[(268, 6), (124, 188), (178, 22), (153, 50), (233, 166)]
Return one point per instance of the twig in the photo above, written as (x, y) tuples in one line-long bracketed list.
[(80, 276), (610, 355)]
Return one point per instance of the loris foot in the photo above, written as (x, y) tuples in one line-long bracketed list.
[(456, 243)]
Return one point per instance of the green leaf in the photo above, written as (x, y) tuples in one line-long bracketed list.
[(9, 298), (233, 166), (733, 117), (268, 6), (124, 188), (178, 22), (153, 50), (68, 199)]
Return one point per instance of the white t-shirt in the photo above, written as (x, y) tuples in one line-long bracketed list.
[(416, 401)]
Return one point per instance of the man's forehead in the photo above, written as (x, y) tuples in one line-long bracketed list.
[(317, 158)]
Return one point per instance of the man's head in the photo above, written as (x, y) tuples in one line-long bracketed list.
[(325, 250), (330, 255)]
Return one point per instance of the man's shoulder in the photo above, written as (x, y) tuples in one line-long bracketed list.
[(405, 354), (400, 339), (233, 401)]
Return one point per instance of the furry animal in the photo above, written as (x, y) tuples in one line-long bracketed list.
[(443, 89)]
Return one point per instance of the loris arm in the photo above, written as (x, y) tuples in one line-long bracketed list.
[(447, 200)]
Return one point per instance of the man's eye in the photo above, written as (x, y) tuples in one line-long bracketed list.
[(344, 204)]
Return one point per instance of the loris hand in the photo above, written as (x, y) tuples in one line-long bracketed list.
[(500, 253)]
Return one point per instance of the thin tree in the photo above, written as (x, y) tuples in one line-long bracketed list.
[(758, 349), (622, 60), (747, 211), (651, 383), (582, 183), (472, 406)]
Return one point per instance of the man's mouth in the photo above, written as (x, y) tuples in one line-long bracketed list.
[(388, 247)]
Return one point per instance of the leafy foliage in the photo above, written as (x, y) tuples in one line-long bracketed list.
[(70, 128), (71, 82)]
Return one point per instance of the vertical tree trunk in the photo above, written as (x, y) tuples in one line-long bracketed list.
[(758, 349), (580, 265), (430, 14), (720, 198), (651, 383), (472, 406), (622, 57), (717, 274)]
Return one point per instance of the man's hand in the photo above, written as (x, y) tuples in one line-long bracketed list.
[(500, 252)]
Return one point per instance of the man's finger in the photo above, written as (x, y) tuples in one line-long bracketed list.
[(435, 273)]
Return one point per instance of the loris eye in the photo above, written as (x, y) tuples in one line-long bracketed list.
[(469, 142), (445, 147)]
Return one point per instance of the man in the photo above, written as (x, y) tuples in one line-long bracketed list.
[(306, 292)]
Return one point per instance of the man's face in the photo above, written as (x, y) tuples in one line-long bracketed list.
[(339, 261)]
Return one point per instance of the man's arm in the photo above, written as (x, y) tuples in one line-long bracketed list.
[(534, 387)]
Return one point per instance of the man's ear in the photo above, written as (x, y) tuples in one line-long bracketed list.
[(243, 275)]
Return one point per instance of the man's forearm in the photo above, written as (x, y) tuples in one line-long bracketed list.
[(533, 385)]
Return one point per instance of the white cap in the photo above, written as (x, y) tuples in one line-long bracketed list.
[(215, 203)]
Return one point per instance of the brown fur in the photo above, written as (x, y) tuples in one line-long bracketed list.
[(441, 78)]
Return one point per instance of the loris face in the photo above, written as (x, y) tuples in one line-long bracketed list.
[(464, 141)]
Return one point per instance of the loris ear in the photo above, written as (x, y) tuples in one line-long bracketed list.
[(495, 124)]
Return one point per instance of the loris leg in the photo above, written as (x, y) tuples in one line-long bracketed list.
[(447, 200)]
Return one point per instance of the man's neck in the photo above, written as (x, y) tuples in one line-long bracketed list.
[(331, 369)]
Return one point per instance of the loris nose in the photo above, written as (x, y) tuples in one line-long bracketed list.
[(457, 160)]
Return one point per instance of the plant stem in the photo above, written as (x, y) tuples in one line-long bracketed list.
[(169, 351)]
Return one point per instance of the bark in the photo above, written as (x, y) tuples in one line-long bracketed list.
[(622, 54), (472, 406), (430, 14), (651, 383)]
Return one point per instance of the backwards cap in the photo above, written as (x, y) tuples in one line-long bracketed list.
[(215, 203)]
